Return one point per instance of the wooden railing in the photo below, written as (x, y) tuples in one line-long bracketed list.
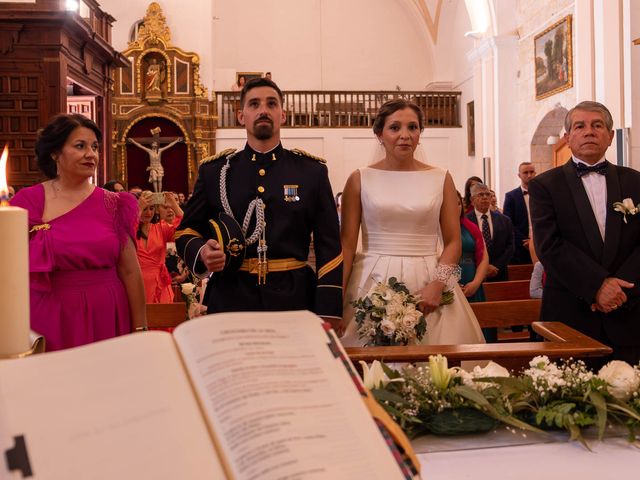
[(561, 341), (345, 109)]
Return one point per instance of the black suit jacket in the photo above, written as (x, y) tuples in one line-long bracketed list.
[(516, 209), (575, 258), (501, 248)]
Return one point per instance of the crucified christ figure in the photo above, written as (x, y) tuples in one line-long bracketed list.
[(156, 172)]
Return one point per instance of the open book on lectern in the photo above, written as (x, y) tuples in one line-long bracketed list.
[(258, 395)]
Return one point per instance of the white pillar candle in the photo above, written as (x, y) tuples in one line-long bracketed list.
[(14, 272)]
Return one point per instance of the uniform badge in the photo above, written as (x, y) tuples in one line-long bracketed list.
[(291, 193)]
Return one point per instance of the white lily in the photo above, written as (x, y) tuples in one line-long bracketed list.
[(440, 373), (374, 376)]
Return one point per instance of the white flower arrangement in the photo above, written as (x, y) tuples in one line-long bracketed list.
[(548, 395), (388, 315), (626, 207)]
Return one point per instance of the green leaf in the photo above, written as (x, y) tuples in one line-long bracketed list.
[(597, 400)]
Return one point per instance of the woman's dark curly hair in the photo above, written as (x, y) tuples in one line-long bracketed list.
[(52, 138)]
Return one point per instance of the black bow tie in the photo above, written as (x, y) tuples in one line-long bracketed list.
[(582, 169)]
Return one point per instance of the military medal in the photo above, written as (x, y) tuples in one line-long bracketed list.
[(291, 193)]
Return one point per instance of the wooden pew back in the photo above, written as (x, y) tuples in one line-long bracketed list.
[(166, 315), (511, 290), (520, 272), (507, 313)]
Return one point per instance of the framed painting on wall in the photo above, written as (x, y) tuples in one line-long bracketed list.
[(471, 129), (247, 76), (553, 59)]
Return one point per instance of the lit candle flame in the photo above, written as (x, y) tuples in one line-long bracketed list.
[(4, 188)]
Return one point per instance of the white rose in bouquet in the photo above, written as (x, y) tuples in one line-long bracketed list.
[(393, 309), (377, 301), (187, 288), (387, 327), (621, 378), (410, 318)]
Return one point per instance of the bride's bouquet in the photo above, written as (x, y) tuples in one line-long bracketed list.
[(388, 315)]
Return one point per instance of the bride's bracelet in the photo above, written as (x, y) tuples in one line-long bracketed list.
[(449, 274)]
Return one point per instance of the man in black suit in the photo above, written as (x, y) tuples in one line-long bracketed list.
[(516, 207), (590, 252), (497, 231)]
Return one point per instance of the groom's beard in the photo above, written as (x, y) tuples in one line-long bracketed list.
[(263, 128)]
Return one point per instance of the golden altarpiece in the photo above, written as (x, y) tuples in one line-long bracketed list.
[(159, 98)]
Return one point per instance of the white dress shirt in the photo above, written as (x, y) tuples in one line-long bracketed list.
[(479, 217), (596, 187), (525, 194)]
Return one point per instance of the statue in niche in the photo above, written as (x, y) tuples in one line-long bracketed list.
[(154, 77)]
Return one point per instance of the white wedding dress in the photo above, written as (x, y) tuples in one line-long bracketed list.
[(401, 238)]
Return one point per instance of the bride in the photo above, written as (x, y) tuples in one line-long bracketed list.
[(406, 210)]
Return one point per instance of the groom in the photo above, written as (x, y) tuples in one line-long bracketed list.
[(591, 256)]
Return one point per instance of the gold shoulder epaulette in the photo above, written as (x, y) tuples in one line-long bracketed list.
[(223, 153), (297, 151)]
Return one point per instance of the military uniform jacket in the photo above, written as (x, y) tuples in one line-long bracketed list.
[(298, 203)]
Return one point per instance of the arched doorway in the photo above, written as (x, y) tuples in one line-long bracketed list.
[(174, 159), (545, 137)]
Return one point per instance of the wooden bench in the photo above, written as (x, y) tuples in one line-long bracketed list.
[(507, 313), (166, 315), (511, 290), (561, 341), (520, 272)]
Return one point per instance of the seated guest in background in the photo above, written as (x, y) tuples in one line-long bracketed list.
[(474, 261), (11, 192), (181, 200), (85, 282), (151, 239), (536, 283), (590, 254), (135, 191), (497, 232), (494, 202), (466, 201), (516, 207), (113, 186)]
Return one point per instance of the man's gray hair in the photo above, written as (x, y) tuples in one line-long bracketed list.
[(477, 188), (589, 107)]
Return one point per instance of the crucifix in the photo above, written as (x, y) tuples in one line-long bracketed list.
[(156, 172)]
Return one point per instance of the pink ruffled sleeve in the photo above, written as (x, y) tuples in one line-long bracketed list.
[(126, 215)]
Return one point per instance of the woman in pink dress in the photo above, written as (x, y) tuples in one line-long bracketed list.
[(85, 281), (152, 241)]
